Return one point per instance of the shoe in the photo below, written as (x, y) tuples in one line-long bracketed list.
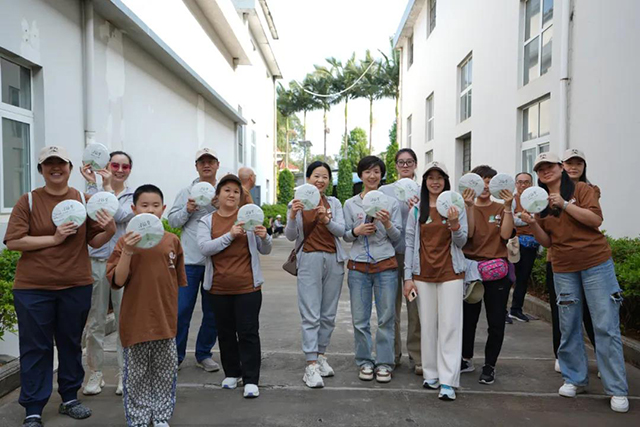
[(433, 384), (230, 383), (519, 316), (161, 424), (570, 390), (556, 367), (251, 391), (599, 374), (507, 319), (488, 375), (418, 370), (312, 377), (75, 409), (119, 388), (95, 384), (467, 366), (446, 393), (366, 373), (323, 367), (383, 375), (208, 364), (619, 404), (32, 422)]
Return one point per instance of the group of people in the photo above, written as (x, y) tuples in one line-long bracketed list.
[(444, 267)]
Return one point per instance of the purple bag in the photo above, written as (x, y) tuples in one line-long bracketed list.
[(493, 269)]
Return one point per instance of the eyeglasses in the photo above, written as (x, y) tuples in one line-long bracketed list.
[(523, 182), (405, 163), (117, 166)]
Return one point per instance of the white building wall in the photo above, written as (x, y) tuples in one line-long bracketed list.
[(602, 89)]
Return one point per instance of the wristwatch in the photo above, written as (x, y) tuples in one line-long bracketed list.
[(564, 206)]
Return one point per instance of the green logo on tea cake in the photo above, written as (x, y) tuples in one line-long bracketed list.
[(448, 199), (405, 189), (96, 155), (308, 195), (150, 229), (375, 201), (69, 211), (534, 199), (102, 200), (251, 215), (203, 193)]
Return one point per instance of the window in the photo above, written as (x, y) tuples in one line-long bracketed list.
[(254, 154), (535, 132), (466, 78), (428, 157), (409, 131), (430, 122), (410, 53), (240, 137), (432, 17), (16, 123), (466, 155), (538, 34)]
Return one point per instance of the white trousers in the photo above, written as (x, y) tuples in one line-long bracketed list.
[(440, 307)]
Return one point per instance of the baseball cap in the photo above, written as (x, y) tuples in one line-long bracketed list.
[(438, 166), (53, 151), (573, 152), (546, 158), (474, 292), (206, 152)]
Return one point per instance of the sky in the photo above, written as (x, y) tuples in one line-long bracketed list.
[(312, 30)]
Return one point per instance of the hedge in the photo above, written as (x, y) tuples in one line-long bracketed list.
[(270, 211), (8, 318)]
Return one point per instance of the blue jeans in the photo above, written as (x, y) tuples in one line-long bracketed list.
[(362, 288), (599, 286), (187, 297)]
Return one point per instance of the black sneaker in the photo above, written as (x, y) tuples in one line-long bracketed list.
[(75, 410), (488, 375), (466, 366), (519, 316), (32, 422), (507, 319)]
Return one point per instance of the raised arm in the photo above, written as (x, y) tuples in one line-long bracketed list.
[(179, 213), (208, 246)]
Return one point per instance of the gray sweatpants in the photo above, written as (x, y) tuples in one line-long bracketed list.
[(320, 278)]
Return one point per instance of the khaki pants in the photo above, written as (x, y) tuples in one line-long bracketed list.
[(413, 326)]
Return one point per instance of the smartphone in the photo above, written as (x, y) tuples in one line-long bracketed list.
[(368, 219), (412, 295)]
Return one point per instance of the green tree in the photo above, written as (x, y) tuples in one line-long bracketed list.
[(286, 108), (304, 102), (343, 77), (390, 156), (286, 182), (320, 82), (370, 87), (356, 147), (389, 75), (345, 180)]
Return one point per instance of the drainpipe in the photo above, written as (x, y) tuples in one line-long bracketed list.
[(563, 128), (88, 61)]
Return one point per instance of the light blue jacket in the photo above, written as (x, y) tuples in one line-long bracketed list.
[(209, 247), (380, 245), (412, 253), (122, 217), (294, 228)]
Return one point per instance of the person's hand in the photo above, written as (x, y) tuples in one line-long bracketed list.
[(237, 230), (63, 231), (408, 286), (365, 229), (527, 217), (556, 201), (260, 231), (215, 202), (413, 201), (385, 218), (131, 239), (191, 205), (453, 217), (324, 214), (469, 196), (507, 196), (106, 221), (296, 206), (106, 179), (88, 174)]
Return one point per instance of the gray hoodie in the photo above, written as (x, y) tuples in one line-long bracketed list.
[(390, 191)]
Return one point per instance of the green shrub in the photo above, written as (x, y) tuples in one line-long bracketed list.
[(170, 229), (390, 161), (8, 318), (345, 180), (286, 183), (270, 211), (8, 263)]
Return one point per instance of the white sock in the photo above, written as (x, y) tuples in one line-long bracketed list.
[(71, 401), (34, 416)]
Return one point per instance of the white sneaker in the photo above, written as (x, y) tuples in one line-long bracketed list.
[(324, 368), (95, 384), (570, 390), (251, 390), (433, 384), (556, 367), (162, 424), (208, 364), (230, 383), (366, 373), (312, 376), (383, 375), (619, 404), (119, 388)]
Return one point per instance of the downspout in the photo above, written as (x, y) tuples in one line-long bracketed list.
[(88, 59), (274, 183), (563, 99)]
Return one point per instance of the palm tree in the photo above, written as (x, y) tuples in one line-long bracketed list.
[(286, 108), (370, 87), (320, 82), (344, 75), (390, 78), (304, 102)]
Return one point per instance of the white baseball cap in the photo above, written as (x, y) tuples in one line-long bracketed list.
[(437, 166), (546, 158), (573, 152), (206, 152), (53, 151)]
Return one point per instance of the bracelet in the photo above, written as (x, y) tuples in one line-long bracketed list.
[(508, 212), (127, 253), (353, 232)]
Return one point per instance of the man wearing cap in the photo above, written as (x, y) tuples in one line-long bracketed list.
[(248, 178), (185, 214), (278, 227)]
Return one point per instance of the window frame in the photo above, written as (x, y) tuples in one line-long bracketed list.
[(539, 33), (254, 149), (431, 23), (428, 156), (467, 91), (466, 142), (540, 141), (409, 130), (410, 51), (430, 117)]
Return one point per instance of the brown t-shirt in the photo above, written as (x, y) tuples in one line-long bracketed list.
[(232, 273), (246, 197), (524, 230), (149, 309), (57, 267), (436, 262), (575, 246), (320, 239), (370, 268), (486, 242)]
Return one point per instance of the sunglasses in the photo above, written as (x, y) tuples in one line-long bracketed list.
[(117, 166), (403, 163)]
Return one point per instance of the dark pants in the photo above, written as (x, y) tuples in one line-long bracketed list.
[(43, 316), (555, 321), (523, 273), (496, 295), (237, 317)]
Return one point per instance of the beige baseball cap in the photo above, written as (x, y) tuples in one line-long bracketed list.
[(53, 151), (546, 158), (573, 152), (474, 292), (438, 166), (206, 152)]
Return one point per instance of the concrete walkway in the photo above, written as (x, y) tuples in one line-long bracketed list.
[(524, 394)]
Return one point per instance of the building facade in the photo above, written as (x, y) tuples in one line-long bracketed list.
[(499, 83)]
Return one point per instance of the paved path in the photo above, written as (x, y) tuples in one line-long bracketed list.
[(524, 394)]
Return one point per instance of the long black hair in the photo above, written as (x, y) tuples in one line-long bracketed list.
[(567, 188), (424, 194), (315, 165)]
